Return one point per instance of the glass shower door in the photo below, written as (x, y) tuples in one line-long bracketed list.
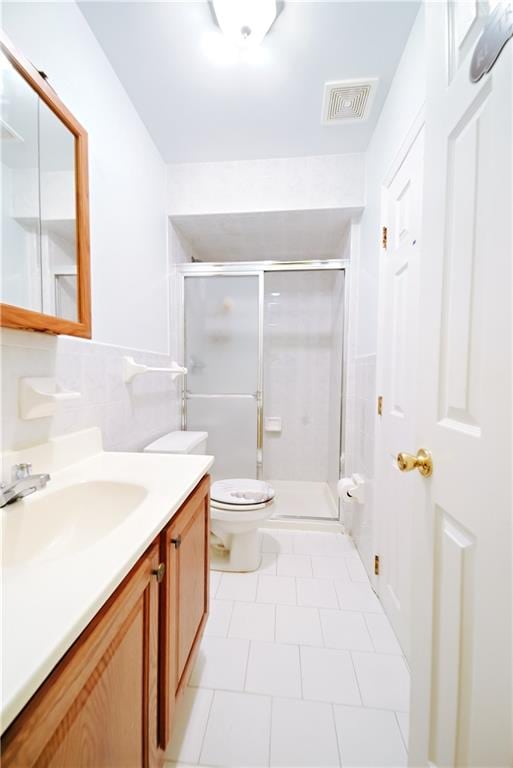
[(222, 386)]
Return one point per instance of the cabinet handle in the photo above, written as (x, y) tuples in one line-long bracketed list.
[(177, 542), (159, 572)]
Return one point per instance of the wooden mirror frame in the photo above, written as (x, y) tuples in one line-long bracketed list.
[(12, 316)]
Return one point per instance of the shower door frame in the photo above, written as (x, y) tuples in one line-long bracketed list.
[(258, 269)]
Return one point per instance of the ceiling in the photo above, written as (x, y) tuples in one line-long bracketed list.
[(277, 236), (201, 100)]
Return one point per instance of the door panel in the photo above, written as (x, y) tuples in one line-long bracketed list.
[(397, 367), (231, 423), (222, 355), (221, 334), (462, 639)]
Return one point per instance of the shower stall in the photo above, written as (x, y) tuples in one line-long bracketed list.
[(263, 344)]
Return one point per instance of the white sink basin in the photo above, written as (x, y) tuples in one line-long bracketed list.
[(65, 521)]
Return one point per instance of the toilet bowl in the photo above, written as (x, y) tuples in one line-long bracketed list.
[(238, 507)]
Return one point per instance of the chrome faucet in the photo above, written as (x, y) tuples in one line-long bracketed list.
[(23, 484)]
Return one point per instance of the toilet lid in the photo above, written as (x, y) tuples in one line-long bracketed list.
[(241, 492)]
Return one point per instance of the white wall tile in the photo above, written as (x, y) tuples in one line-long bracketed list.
[(238, 730), (369, 737), (129, 415)]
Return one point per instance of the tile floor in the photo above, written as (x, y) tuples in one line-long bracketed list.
[(298, 667)]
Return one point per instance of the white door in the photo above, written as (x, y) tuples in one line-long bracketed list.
[(397, 366), (462, 601)]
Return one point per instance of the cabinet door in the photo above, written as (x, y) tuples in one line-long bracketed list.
[(98, 709), (184, 605)]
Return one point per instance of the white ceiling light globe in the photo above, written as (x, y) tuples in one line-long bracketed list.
[(245, 22)]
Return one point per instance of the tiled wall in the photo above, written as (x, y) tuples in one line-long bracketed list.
[(361, 405), (129, 415)]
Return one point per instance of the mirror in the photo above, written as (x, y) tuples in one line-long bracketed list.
[(44, 275)]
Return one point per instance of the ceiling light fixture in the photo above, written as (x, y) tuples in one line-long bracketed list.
[(245, 22)]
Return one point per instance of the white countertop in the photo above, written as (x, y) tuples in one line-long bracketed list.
[(47, 603)]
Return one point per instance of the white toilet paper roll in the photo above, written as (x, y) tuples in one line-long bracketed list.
[(344, 487)]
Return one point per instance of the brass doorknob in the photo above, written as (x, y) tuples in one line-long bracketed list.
[(423, 461)]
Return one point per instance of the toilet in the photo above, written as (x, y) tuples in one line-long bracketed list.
[(238, 507)]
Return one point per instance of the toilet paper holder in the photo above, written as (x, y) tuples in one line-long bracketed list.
[(352, 489)]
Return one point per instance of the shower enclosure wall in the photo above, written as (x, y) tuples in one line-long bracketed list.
[(263, 345)]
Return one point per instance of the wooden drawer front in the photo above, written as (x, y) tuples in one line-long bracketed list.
[(99, 706)]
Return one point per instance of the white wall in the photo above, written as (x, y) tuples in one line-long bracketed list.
[(404, 103), (296, 183), (126, 174), (130, 285)]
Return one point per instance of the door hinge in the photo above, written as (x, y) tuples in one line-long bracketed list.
[(376, 565), (384, 237), (380, 405)]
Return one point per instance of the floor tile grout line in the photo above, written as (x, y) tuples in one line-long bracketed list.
[(301, 674), (270, 732), (230, 619), (339, 748), (369, 632), (356, 677), (396, 713), (202, 745), (297, 698), (247, 666)]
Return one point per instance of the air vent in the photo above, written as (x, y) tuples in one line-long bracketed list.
[(348, 101)]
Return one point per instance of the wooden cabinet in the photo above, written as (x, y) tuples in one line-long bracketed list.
[(99, 706), (110, 701), (184, 600)]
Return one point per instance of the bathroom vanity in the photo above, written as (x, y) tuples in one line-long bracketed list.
[(110, 698)]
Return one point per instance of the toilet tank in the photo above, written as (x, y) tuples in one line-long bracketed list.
[(179, 442)]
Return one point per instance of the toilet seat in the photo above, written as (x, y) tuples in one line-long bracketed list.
[(238, 508), (241, 493)]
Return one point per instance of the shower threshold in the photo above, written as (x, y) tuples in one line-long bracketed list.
[(304, 500)]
